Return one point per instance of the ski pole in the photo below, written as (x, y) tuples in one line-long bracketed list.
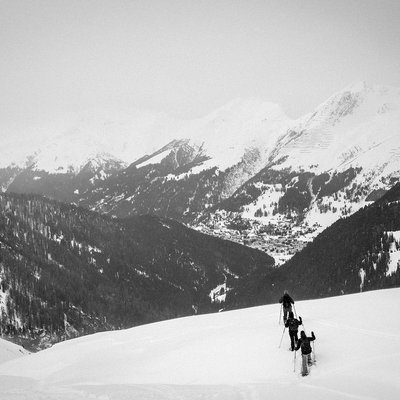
[(280, 315), (304, 329), (282, 336), (313, 350), (294, 361), (295, 312), (302, 324)]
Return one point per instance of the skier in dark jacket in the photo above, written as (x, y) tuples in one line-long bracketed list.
[(304, 343), (287, 302), (293, 324)]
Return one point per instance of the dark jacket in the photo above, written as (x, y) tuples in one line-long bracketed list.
[(304, 343), (293, 324), (286, 300)]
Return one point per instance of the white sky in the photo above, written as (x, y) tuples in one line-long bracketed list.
[(188, 57)]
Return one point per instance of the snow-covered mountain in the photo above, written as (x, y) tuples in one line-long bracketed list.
[(224, 134), (352, 124), (245, 172), (328, 165), (358, 126), (229, 355), (236, 134), (239, 125)]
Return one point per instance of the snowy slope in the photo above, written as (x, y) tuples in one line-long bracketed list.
[(241, 124), (10, 351), (357, 126), (232, 355)]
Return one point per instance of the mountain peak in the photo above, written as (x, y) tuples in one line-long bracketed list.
[(359, 95), (358, 124)]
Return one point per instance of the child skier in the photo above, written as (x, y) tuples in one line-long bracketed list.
[(293, 324), (304, 343)]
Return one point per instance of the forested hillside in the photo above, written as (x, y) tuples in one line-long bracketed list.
[(66, 271)]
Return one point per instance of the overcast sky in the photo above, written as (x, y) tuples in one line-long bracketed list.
[(188, 57)]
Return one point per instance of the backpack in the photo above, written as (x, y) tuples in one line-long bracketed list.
[(286, 301), (305, 346)]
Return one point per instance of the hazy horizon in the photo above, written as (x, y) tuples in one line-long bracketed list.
[(186, 58)]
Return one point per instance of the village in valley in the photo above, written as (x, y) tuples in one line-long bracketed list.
[(280, 239)]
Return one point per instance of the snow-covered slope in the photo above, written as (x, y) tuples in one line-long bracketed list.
[(358, 126), (239, 125), (232, 355), (10, 351)]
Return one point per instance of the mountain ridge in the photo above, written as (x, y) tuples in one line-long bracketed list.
[(287, 176), (67, 271)]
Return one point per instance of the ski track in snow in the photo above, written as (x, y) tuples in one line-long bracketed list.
[(225, 356)]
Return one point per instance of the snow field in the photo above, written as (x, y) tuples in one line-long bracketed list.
[(10, 351), (230, 355)]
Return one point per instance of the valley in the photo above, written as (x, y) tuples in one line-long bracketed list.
[(219, 213)]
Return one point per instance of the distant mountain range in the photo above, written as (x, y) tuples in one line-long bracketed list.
[(245, 172), (66, 271)]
